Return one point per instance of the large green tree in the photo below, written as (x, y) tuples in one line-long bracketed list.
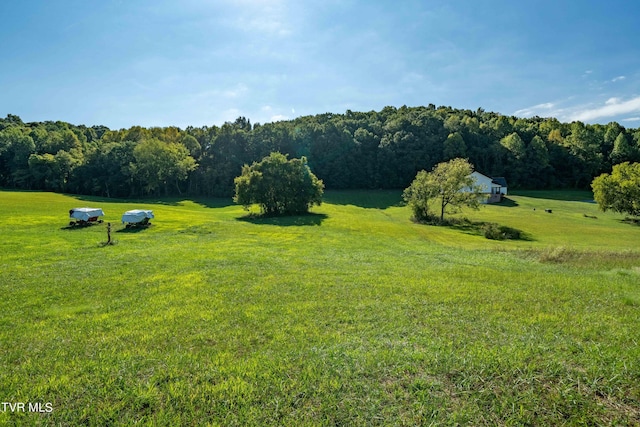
[(15, 148), (449, 184), (279, 186), (159, 163), (620, 190), (454, 147), (623, 150), (355, 150)]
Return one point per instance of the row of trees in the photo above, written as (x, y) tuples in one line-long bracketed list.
[(383, 149), (288, 187)]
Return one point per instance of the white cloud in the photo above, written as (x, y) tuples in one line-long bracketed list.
[(632, 119), (617, 79), (612, 107), (535, 110), (279, 117), (270, 114)]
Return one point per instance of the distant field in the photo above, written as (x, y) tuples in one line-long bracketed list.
[(352, 315)]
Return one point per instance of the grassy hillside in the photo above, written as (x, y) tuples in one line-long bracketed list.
[(352, 315)]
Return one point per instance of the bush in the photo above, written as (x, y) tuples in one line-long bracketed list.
[(494, 231)]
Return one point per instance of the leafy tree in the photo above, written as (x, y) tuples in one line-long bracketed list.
[(137, 134), (158, 163), (537, 163), (65, 164), (449, 183), (515, 151), (99, 130), (515, 145), (15, 148), (44, 169), (454, 147), (419, 195), (537, 152), (555, 137), (623, 150), (52, 172), (61, 140), (367, 175), (279, 186), (332, 151), (500, 126), (192, 145), (611, 132), (584, 146), (620, 190)]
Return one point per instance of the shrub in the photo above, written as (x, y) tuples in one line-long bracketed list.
[(500, 232)]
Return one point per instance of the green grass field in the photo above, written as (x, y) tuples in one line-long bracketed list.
[(353, 315)]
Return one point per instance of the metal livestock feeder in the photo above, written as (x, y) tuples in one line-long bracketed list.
[(137, 218), (85, 216)]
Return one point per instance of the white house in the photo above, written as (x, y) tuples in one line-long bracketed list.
[(493, 188)]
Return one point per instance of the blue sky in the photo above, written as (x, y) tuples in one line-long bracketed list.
[(195, 62)]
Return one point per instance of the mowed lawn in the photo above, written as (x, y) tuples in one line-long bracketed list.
[(352, 315)]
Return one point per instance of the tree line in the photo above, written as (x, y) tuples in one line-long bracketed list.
[(354, 150)]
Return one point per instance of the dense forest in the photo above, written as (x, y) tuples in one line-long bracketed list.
[(355, 150)]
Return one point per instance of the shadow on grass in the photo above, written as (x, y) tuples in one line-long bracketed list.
[(506, 203), (631, 221), (208, 202), (80, 227), (133, 229), (22, 190), (285, 221), (489, 230), (369, 199), (213, 202), (562, 195)]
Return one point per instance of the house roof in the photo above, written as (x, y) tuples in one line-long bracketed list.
[(501, 181)]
